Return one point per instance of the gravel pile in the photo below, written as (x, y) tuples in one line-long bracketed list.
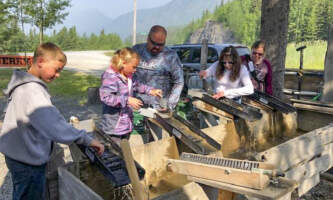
[(324, 190)]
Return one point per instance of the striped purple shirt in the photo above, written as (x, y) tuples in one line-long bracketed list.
[(114, 94)]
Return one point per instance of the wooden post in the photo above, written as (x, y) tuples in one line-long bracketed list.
[(203, 63), (225, 195), (138, 188), (134, 23), (328, 70)]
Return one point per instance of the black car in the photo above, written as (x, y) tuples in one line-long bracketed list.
[(190, 54)]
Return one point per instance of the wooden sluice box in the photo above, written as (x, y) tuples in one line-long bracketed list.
[(261, 129), (83, 180), (250, 147)]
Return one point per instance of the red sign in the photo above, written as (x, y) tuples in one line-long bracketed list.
[(15, 61)]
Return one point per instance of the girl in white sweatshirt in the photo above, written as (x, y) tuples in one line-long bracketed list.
[(232, 78)]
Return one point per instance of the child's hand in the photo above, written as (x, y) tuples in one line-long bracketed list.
[(134, 103), (218, 95), (156, 93), (98, 146)]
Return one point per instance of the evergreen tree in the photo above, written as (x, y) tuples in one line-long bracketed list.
[(324, 18), (72, 39), (45, 14), (11, 37)]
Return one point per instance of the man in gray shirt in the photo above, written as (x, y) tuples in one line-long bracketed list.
[(159, 68)]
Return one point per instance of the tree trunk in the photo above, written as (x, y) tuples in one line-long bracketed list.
[(328, 70), (274, 31), (41, 34)]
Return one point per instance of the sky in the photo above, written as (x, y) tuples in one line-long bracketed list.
[(114, 8)]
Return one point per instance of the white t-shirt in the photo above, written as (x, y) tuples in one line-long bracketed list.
[(240, 87)]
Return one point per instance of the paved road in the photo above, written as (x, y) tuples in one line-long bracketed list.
[(91, 62)]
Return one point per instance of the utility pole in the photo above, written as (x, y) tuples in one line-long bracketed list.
[(134, 23)]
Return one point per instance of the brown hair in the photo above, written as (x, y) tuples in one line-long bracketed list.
[(122, 56), (51, 51), (229, 52), (257, 44)]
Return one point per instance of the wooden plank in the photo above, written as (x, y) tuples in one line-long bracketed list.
[(232, 140), (71, 187), (321, 109), (226, 135), (225, 195), (297, 150), (199, 140), (153, 158), (216, 132), (87, 125), (308, 169), (310, 120), (222, 174), (270, 192), (138, 188), (211, 109), (307, 184), (315, 103), (190, 191), (157, 130), (260, 106)]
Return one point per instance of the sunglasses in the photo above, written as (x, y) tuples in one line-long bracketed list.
[(155, 43), (257, 53), (230, 63)]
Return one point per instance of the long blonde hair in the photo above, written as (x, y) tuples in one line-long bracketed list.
[(122, 56)]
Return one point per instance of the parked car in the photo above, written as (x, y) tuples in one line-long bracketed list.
[(190, 54)]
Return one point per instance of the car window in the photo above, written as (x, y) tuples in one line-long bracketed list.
[(196, 53), (212, 55), (242, 51), (183, 53)]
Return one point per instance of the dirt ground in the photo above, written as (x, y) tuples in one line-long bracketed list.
[(69, 107)]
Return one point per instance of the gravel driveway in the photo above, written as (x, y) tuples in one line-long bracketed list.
[(90, 62)]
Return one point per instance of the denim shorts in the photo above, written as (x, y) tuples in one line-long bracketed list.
[(28, 180)]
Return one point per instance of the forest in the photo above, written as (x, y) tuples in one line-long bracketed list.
[(308, 22)]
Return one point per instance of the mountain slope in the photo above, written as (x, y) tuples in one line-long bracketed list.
[(175, 13)]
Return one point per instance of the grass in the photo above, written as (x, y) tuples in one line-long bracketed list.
[(69, 84), (313, 58)]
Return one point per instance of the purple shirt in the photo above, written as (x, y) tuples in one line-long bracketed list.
[(114, 94)]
